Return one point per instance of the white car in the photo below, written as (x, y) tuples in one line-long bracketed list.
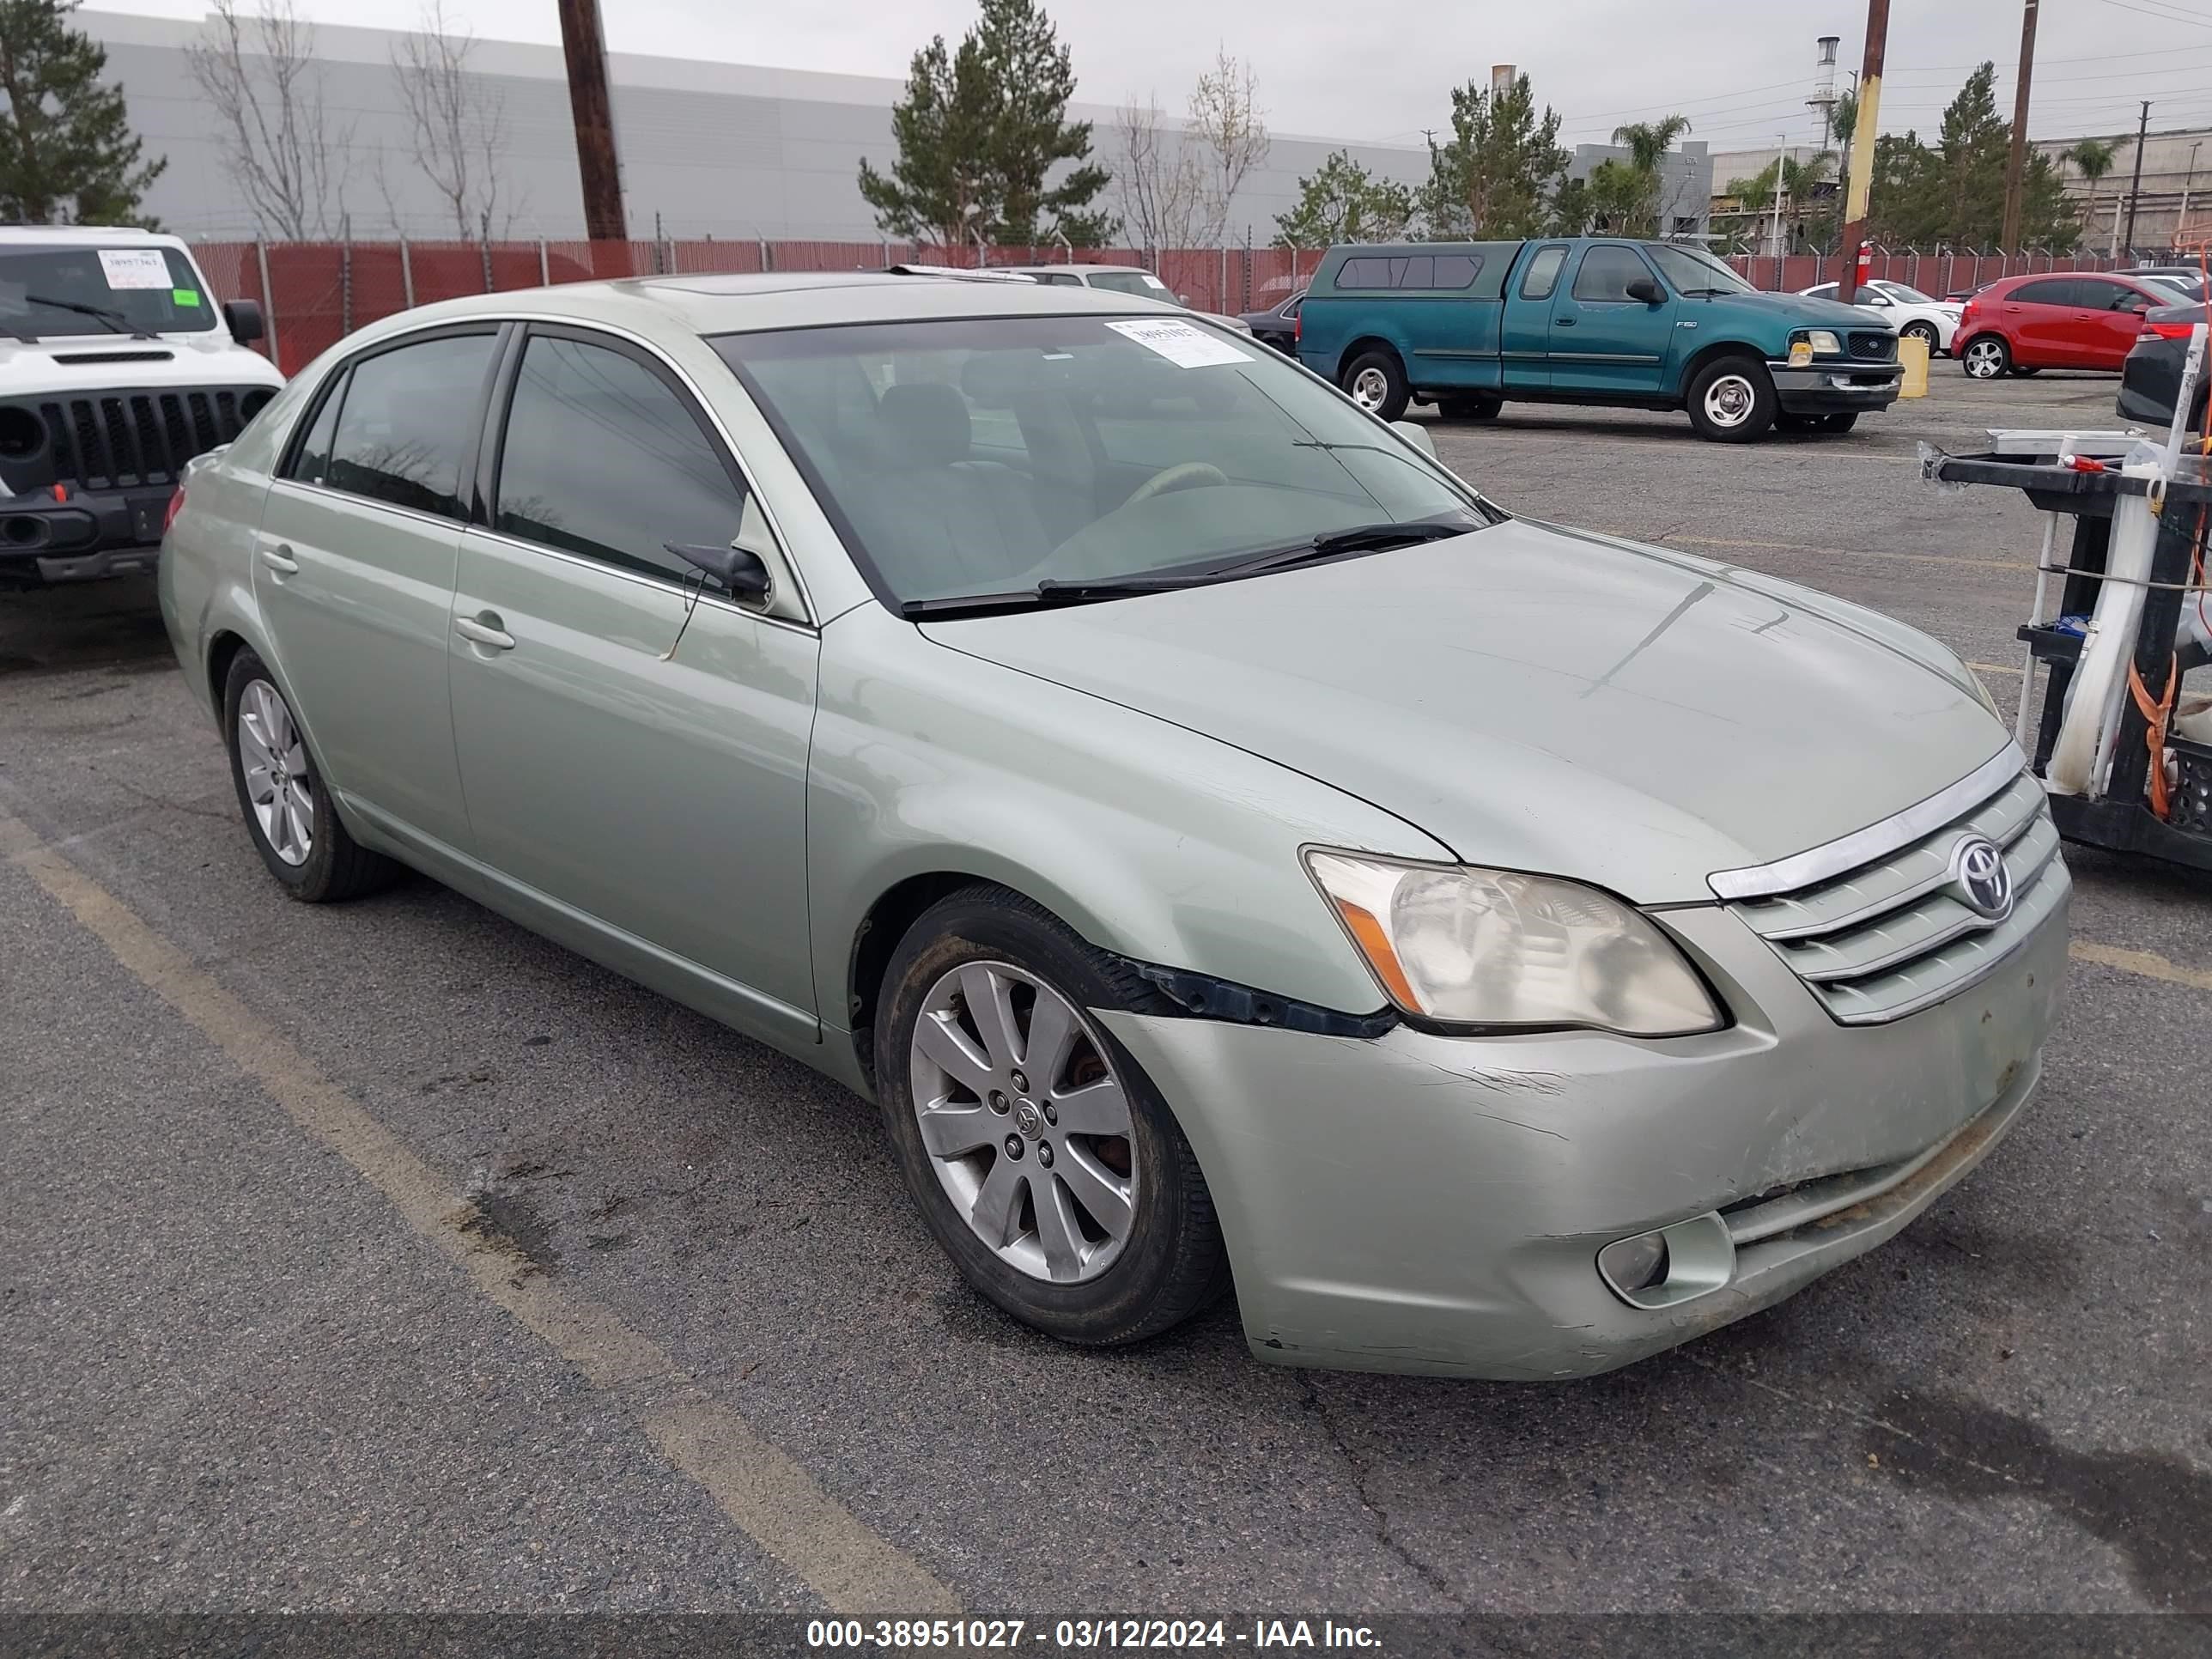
[(118, 366), (1910, 312), (1124, 279)]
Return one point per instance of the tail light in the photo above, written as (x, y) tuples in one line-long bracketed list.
[(176, 506), (2164, 331)]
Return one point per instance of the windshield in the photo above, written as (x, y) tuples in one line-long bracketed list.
[(1140, 282), (968, 458), (1902, 295), (123, 290), (1694, 270)]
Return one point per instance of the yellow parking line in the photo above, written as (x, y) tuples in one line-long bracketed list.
[(2149, 963), (1994, 668), (764, 1491)]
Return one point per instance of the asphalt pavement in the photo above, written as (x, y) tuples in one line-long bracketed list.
[(383, 1256)]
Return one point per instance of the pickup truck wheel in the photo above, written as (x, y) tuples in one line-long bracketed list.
[(1986, 357), (289, 812), (1044, 1161), (1377, 381), (1475, 407), (1732, 400)]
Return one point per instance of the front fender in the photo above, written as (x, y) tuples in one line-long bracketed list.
[(1149, 839)]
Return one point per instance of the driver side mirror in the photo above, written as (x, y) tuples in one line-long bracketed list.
[(1648, 291), (243, 318)]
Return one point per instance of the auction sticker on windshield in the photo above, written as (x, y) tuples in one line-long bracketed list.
[(1181, 345), (133, 267)]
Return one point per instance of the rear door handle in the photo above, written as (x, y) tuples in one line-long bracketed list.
[(484, 630), (279, 559), (1563, 322)]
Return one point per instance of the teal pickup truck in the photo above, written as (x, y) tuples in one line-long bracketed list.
[(1467, 325)]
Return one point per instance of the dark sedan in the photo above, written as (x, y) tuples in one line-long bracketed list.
[(2150, 379), (1279, 325)]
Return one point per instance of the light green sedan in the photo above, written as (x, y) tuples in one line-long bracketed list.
[(1229, 850)]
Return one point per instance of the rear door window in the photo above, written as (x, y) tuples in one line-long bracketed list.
[(1543, 272), (2050, 291), (407, 420)]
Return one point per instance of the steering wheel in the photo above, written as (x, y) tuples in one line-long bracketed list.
[(1184, 475)]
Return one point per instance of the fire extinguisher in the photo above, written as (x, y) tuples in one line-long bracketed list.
[(1865, 264)]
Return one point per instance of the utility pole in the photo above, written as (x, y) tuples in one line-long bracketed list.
[(2181, 224), (584, 42), (1781, 165), (2016, 163), (1863, 150), (2134, 189)]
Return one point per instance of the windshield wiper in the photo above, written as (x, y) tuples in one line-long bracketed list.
[(115, 319)]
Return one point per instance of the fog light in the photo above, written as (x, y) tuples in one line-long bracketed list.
[(1634, 1264)]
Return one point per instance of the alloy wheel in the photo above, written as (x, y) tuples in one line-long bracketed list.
[(1024, 1121), (275, 763), (1730, 400), (1985, 360)]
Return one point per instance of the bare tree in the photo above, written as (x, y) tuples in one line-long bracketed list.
[(1229, 135), (456, 121), (1157, 180), (260, 74)]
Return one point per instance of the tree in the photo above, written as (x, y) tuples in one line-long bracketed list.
[(1952, 193), (2093, 159), (1969, 164), (1647, 143), (1343, 203), (1156, 180), (979, 131), (1801, 182), (67, 153), (456, 121), (1616, 200), (261, 75), (1230, 134), (1498, 172)]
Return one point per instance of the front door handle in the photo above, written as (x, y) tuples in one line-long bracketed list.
[(483, 629), (1563, 322), (279, 559)]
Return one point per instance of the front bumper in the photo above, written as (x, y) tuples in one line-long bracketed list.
[(1423, 1203), (102, 533), (1835, 388)]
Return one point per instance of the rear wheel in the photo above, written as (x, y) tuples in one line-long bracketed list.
[(289, 812), (1044, 1161), (1376, 380), (1986, 357), (1732, 400)]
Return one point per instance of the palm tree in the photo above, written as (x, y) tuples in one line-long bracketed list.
[(1647, 143), (1843, 127), (2093, 159), (1801, 180)]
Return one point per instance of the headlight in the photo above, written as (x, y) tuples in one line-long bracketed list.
[(1495, 948), (1824, 342)]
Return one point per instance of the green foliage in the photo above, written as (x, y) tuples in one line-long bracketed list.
[(67, 153), (2092, 158), (1801, 180), (1629, 194), (1344, 203), (1497, 174), (979, 131), (1952, 193)]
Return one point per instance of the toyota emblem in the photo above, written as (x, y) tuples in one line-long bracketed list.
[(1978, 868)]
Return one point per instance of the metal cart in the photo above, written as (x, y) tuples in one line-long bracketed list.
[(2120, 818)]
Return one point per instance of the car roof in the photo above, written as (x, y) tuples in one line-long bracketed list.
[(734, 304), (1082, 270), (96, 235)]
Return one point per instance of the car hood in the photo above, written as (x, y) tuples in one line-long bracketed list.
[(1804, 311), (105, 360), (1543, 699)]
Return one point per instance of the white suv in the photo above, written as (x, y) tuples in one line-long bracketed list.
[(117, 367)]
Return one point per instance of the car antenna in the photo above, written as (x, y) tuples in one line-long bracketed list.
[(690, 604)]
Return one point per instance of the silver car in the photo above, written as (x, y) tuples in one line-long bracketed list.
[(1228, 848)]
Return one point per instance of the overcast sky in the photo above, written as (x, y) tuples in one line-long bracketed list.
[(1740, 69)]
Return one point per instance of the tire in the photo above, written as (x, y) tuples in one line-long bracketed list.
[(1476, 406), (1985, 357), (1167, 1261), (1732, 401), (1376, 380), (324, 864), (1925, 333), (1842, 422)]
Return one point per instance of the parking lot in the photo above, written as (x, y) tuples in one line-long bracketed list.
[(383, 1256)]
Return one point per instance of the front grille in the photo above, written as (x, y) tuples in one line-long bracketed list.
[(1871, 345), (126, 439), (1891, 937)]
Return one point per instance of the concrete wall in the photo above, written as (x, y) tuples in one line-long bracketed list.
[(722, 150), (1686, 182)]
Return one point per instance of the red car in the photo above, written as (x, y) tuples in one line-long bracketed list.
[(2064, 320)]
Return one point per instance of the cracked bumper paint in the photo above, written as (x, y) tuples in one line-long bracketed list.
[(1423, 1203)]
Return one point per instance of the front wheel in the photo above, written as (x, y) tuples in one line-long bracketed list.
[(1923, 333), (1377, 381), (1045, 1163), (1986, 357), (1732, 400)]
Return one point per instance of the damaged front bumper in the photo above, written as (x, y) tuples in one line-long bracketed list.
[(1419, 1202)]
